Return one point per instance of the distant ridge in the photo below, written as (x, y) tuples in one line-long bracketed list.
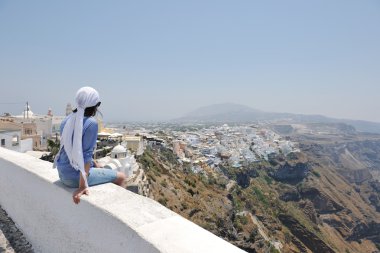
[(225, 112), (230, 112)]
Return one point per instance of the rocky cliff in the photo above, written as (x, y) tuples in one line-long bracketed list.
[(324, 199)]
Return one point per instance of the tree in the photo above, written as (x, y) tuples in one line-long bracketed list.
[(53, 146)]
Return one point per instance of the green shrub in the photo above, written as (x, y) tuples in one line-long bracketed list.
[(194, 211), (260, 196), (316, 173), (163, 201), (184, 206), (164, 183), (190, 183), (268, 179), (288, 237), (253, 235), (272, 249), (191, 192), (243, 219), (238, 225)]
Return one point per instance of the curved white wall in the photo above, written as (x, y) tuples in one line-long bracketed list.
[(110, 219)]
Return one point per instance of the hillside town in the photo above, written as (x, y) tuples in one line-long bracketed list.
[(236, 145), (118, 144), (210, 145)]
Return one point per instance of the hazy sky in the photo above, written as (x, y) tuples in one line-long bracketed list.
[(162, 59)]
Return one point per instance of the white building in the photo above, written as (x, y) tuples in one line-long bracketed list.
[(121, 161), (27, 129), (11, 139), (47, 125), (43, 123), (135, 143)]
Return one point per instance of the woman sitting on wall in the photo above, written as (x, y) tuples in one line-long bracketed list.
[(79, 132)]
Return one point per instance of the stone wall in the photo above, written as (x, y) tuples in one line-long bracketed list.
[(110, 219)]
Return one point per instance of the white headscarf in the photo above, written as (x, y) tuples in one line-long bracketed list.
[(71, 139)]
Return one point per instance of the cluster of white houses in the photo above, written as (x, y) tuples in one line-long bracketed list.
[(28, 131), (236, 145)]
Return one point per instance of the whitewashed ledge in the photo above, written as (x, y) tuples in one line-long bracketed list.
[(110, 219)]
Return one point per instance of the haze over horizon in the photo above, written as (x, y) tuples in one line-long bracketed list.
[(160, 60)]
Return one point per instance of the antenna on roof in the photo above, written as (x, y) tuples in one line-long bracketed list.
[(27, 110)]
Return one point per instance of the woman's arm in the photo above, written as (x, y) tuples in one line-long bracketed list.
[(81, 180), (82, 187), (88, 144)]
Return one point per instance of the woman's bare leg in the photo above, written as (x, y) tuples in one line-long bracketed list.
[(120, 177)]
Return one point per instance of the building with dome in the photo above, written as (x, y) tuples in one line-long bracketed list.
[(47, 126), (119, 152), (121, 160)]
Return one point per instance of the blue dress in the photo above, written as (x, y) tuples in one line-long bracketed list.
[(89, 137), (70, 176)]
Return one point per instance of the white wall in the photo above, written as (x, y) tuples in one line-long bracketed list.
[(8, 137), (26, 145), (110, 219), (44, 128), (22, 146)]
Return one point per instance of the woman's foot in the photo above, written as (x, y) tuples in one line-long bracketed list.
[(78, 193), (120, 177)]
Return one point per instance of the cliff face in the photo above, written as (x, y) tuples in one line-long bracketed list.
[(357, 161), (369, 231), (308, 238), (324, 199), (356, 176), (291, 174), (345, 192), (323, 203)]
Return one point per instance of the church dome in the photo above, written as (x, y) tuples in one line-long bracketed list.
[(118, 152), (118, 149), (27, 111)]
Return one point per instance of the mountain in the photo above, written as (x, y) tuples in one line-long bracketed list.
[(229, 112)]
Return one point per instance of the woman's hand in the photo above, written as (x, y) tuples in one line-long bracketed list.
[(96, 164), (78, 193)]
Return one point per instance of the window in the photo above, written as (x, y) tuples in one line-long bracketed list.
[(15, 140), (28, 131), (2, 142)]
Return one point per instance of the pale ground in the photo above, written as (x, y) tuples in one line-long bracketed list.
[(9, 232), (4, 244), (37, 154)]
